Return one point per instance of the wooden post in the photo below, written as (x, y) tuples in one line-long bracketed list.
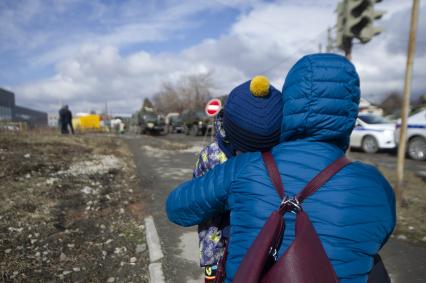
[(406, 100)]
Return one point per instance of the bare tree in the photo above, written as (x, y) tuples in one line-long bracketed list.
[(191, 91), (147, 103), (391, 103), (196, 90), (168, 99)]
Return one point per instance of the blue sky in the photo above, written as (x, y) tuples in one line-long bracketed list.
[(87, 52), (56, 25)]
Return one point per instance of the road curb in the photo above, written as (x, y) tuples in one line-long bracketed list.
[(156, 273), (155, 253)]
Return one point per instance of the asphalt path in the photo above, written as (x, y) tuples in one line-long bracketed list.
[(160, 170), (162, 166)]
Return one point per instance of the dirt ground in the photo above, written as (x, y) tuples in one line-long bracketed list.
[(411, 216), (70, 210)]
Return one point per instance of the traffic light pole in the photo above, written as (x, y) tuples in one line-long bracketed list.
[(347, 47), (329, 47), (406, 100)]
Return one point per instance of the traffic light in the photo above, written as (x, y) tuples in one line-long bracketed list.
[(355, 19), (360, 16)]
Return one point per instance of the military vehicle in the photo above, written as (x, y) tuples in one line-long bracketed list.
[(147, 121)]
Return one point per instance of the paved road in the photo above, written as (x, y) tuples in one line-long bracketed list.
[(160, 170), (405, 262), (162, 165)]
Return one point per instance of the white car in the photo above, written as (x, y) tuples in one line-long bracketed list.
[(373, 132), (416, 135)]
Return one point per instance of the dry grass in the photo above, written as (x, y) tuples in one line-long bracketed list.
[(61, 225)]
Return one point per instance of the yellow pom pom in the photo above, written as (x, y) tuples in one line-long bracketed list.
[(259, 86)]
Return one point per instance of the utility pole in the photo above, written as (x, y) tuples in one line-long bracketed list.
[(406, 99)]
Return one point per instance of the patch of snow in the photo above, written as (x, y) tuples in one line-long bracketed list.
[(100, 164), (401, 237), (155, 152), (174, 173), (160, 152), (13, 229), (51, 181), (87, 190), (193, 149)]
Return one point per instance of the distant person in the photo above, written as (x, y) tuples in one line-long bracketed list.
[(117, 126), (353, 213), (65, 120), (250, 121)]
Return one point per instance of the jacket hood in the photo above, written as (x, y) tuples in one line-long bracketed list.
[(321, 95)]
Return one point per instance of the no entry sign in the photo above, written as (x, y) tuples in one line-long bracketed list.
[(213, 107)]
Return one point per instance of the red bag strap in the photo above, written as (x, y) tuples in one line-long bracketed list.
[(273, 172), (322, 178), (312, 186)]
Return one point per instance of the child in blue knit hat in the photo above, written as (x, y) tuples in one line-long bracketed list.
[(250, 121)]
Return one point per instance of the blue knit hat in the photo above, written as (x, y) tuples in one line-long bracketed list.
[(253, 115)]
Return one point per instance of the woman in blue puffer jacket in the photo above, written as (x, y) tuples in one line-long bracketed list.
[(353, 213)]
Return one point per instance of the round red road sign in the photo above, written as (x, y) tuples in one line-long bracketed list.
[(213, 107)]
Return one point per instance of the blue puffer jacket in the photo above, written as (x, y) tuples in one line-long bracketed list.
[(353, 213)]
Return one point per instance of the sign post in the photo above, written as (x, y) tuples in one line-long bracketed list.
[(213, 108)]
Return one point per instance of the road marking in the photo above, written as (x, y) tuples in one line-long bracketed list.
[(155, 254)]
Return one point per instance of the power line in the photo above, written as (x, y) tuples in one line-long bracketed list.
[(285, 59), (288, 57)]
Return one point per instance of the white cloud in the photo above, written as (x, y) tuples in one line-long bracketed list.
[(268, 39)]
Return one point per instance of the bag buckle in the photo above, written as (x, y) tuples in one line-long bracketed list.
[(274, 253), (291, 204)]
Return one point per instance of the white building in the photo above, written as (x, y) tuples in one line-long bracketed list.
[(366, 107)]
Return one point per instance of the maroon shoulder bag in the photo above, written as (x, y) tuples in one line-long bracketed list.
[(305, 261)]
